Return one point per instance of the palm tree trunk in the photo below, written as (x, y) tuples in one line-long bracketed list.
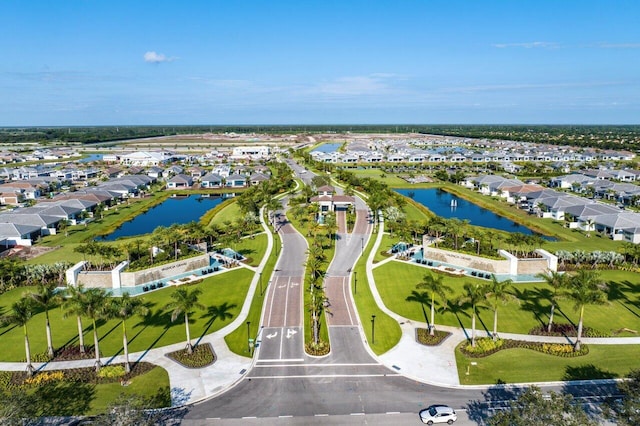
[(27, 350), (577, 346), (80, 334), (96, 347), (550, 327), (432, 327), (186, 324), (473, 328), (495, 324), (125, 345), (49, 339)]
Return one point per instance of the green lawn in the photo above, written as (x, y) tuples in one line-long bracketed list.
[(396, 280), (155, 330), (524, 365), (390, 179), (387, 330), (230, 212)]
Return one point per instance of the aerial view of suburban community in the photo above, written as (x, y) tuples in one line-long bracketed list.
[(323, 213)]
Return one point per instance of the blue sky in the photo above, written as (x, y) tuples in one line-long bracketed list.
[(95, 62)]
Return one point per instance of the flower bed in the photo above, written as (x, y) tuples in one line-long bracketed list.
[(562, 330), (487, 346), (424, 338), (321, 349), (202, 356)]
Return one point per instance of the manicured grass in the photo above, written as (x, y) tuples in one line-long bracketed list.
[(148, 385), (230, 212), (523, 365), (396, 280), (237, 339), (155, 330), (252, 248), (387, 330), (390, 179)]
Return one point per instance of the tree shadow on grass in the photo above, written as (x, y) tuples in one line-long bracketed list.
[(530, 302), (587, 372), (422, 298), (220, 312), (495, 397), (159, 318), (62, 399)]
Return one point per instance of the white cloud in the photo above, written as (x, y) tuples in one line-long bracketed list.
[(618, 45), (156, 58), (530, 45)]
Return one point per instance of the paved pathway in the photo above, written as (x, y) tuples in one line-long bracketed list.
[(434, 365)]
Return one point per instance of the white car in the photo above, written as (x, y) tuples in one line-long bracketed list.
[(438, 414)]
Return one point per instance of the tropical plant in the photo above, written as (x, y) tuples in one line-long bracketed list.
[(19, 315), (184, 302), (497, 291), (123, 308), (435, 287), (585, 288), (474, 295), (94, 306), (73, 304), (46, 298), (556, 281)]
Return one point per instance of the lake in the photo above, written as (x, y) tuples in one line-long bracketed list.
[(173, 210), (328, 147), (439, 202)]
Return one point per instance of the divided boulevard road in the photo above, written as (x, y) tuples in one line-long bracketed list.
[(285, 386)]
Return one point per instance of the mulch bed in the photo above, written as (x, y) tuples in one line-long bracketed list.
[(424, 338), (203, 356)]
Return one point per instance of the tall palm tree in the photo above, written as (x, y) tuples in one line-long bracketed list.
[(585, 288), (497, 292), (46, 298), (19, 315), (184, 301), (435, 287), (124, 308), (73, 304), (557, 281), (94, 307), (474, 295)]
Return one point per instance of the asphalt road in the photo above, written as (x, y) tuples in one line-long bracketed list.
[(347, 387)]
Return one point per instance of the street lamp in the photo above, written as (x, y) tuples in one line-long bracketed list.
[(373, 329), (248, 337), (355, 282), (362, 245), (260, 280)]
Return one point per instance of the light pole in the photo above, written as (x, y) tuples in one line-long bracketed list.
[(248, 337), (260, 280), (355, 282), (362, 245), (373, 329)]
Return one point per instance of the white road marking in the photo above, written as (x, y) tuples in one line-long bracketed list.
[(290, 333), (323, 376), (271, 336)]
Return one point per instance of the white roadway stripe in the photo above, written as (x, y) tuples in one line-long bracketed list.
[(278, 360), (272, 292), (323, 376), (286, 303), (346, 298), (369, 364)]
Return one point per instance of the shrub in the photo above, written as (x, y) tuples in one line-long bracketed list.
[(202, 356), (44, 377), (484, 348), (111, 371), (322, 348), (424, 338)]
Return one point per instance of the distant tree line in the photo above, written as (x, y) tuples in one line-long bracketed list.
[(600, 136)]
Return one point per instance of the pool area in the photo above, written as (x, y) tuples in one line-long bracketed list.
[(417, 256), (447, 205)]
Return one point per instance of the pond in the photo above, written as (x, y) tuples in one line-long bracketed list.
[(173, 210), (328, 147), (448, 205), (91, 157)]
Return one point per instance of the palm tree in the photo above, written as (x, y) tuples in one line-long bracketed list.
[(497, 292), (557, 281), (184, 301), (474, 294), (585, 288), (73, 303), (20, 314), (124, 308), (94, 307), (435, 287), (46, 298)]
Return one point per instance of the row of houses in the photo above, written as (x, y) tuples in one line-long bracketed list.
[(23, 226), (579, 212), (460, 150)]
